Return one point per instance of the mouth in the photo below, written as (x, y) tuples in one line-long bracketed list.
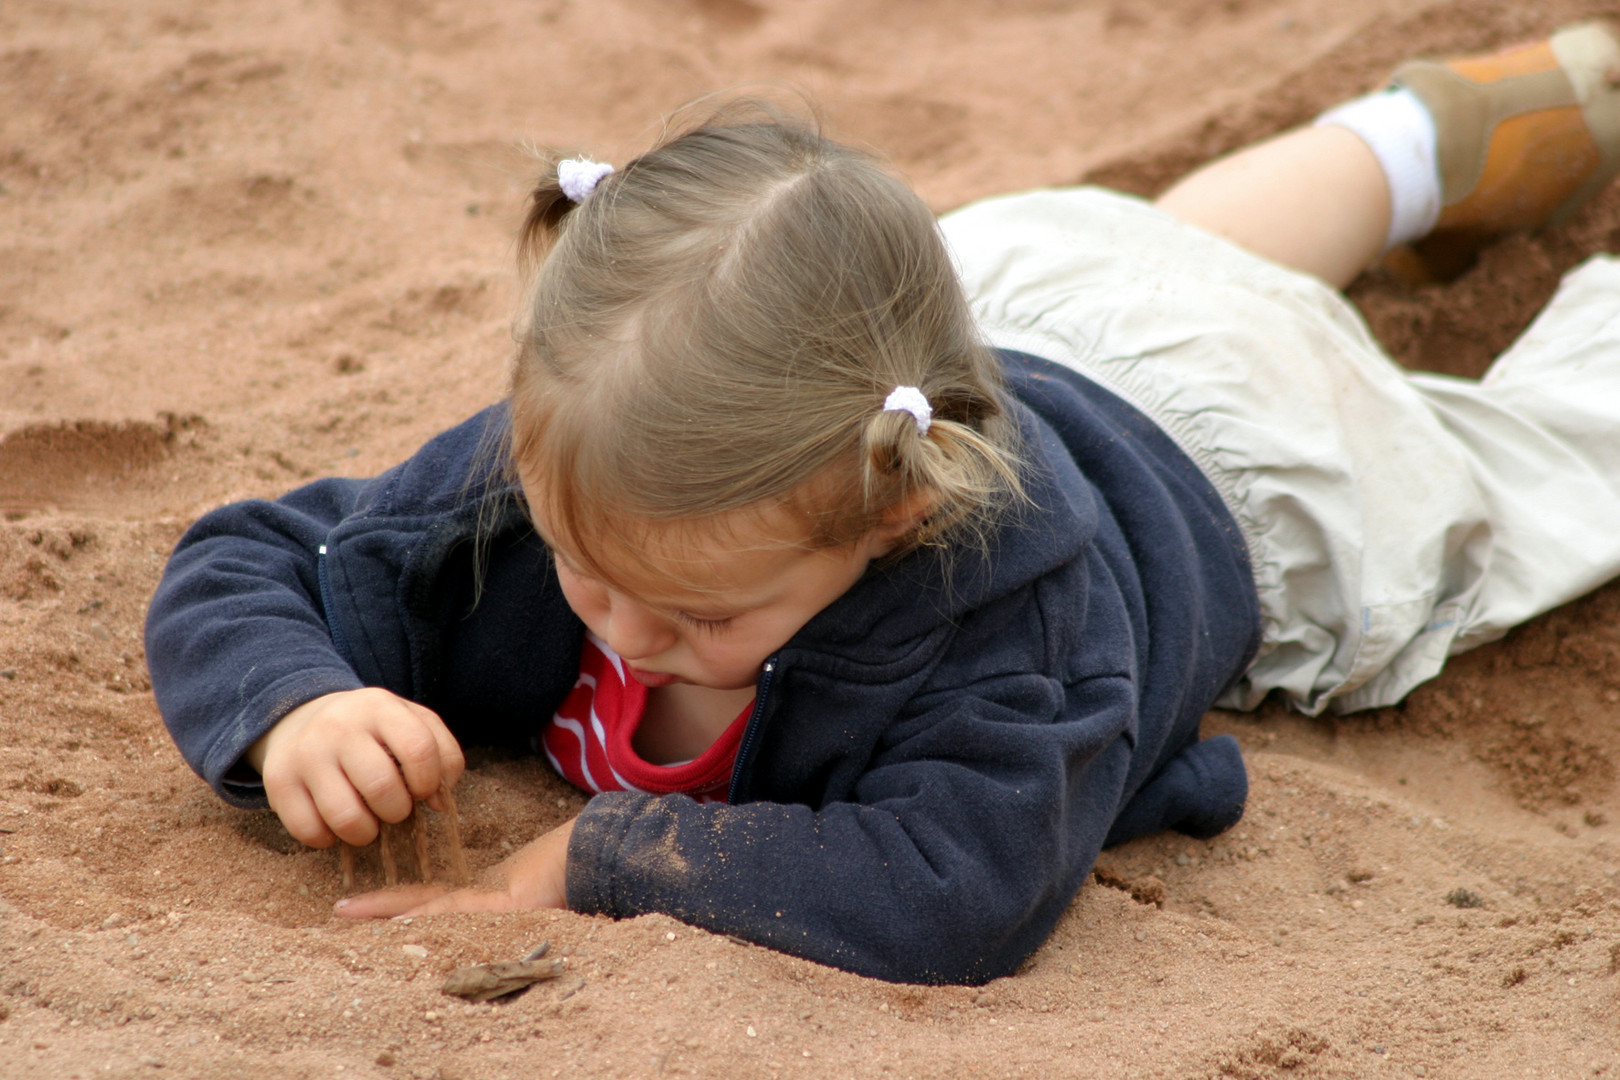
[(651, 679)]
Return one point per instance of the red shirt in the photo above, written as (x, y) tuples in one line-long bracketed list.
[(589, 739)]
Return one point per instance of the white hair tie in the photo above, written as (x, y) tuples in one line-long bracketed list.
[(912, 400), (578, 177)]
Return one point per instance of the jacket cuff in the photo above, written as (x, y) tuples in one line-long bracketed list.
[(1201, 792), (593, 851)]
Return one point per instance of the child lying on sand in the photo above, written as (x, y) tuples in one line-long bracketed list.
[(874, 572)]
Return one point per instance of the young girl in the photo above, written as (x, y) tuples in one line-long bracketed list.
[(871, 606)]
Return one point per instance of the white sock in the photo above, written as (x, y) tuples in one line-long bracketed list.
[(1398, 128)]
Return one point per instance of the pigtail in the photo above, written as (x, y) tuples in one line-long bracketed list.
[(565, 182), (964, 476)]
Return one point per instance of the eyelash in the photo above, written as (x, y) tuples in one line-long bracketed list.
[(707, 626)]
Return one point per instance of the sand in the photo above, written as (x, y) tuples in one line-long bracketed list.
[(245, 245)]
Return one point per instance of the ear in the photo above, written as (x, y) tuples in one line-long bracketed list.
[(901, 518)]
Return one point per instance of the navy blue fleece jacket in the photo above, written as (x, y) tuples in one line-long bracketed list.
[(933, 762)]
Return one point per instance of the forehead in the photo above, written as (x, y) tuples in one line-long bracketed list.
[(737, 557)]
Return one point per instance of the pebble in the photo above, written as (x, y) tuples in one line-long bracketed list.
[(751, 1032), (151, 1062), (418, 951), (114, 921), (386, 1058)]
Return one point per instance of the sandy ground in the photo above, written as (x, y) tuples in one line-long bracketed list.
[(242, 245)]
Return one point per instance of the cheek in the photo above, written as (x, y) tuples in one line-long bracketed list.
[(587, 599)]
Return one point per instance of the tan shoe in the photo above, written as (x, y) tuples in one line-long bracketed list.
[(1524, 137)]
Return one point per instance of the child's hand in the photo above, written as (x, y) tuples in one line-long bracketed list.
[(332, 767), (534, 876)]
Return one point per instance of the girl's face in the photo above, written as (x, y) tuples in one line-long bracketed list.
[(740, 596)]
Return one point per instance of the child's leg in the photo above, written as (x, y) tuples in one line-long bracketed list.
[(1472, 148), (1542, 431), (1313, 199)]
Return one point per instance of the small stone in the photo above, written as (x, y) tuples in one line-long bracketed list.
[(430, 1016), (751, 1032), (417, 951), (670, 936), (151, 1062), (1182, 860), (114, 921)]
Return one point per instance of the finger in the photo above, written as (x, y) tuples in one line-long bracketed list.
[(372, 773), (424, 748), (464, 900), (451, 760), (386, 903), (341, 807), (296, 808)]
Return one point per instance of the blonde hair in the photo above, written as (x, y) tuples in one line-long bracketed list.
[(716, 328)]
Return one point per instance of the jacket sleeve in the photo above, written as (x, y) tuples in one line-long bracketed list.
[(949, 858), (236, 635), (943, 871)]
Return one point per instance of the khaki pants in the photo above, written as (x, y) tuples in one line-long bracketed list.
[(1393, 518)]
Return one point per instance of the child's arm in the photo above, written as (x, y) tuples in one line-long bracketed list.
[(250, 680), (969, 838)]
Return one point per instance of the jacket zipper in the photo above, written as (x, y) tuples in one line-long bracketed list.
[(751, 729), (326, 604)]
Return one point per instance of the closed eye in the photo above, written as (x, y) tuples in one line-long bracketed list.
[(707, 626)]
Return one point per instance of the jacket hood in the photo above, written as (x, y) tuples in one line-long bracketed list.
[(1055, 522)]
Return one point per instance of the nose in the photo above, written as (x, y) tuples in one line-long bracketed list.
[(633, 631)]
